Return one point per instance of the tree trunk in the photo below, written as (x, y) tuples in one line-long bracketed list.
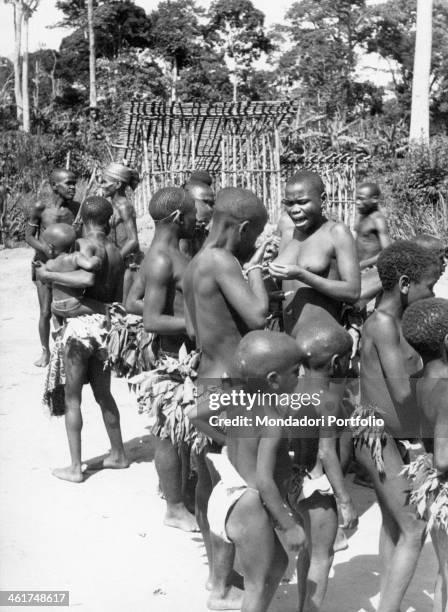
[(17, 60), (174, 76), (25, 66), (419, 131), (92, 57)]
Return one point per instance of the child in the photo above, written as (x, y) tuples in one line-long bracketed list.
[(319, 489), (408, 273), (425, 327), (247, 505), (68, 302)]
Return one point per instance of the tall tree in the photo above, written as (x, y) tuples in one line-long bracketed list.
[(92, 58), (419, 131), (237, 28)]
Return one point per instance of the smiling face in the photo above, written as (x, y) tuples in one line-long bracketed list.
[(64, 184), (303, 203)]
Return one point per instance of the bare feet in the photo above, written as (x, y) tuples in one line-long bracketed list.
[(119, 462), (233, 579), (341, 542), (70, 473), (178, 516), (43, 360), (232, 600)]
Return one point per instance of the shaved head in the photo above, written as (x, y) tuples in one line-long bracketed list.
[(318, 343), (262, 352), (371, 190), (60, 174), (201, 176), (169, 200), (308, 179), (241, 205), (60, 235), (200, 191)]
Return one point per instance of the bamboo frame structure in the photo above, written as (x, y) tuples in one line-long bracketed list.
[(238, 143)]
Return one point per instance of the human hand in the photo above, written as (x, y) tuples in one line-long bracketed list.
[(295, 538), (285, 271), (348, 513), (271, 250), (42, 274), (257, 257)]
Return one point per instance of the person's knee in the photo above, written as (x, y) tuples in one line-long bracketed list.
[(104, 398), (412, 529)]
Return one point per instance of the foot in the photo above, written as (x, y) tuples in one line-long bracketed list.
[(118, 462), (341, 542), (72, 474), (233, 579), (43, 360), (232, 600), (178, 516)]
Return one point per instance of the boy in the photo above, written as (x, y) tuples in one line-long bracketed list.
[(325, 355), (60, 239), (247, 505), (408, 273), (63, 209), (425, 327)]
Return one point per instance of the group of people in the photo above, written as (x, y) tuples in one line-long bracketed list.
[(360, 338)]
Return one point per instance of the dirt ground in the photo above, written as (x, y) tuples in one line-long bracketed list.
[(104, 540)]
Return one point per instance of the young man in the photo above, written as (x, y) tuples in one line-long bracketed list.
[(425, 327), (63, 209), (157, 295), (372, 237), (320, 263), (115, 179), (320, 489), (408, 273), (247, 506), (204, 200), (221, 307), (83, 339)]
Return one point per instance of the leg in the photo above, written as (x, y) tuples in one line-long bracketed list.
[(322, 519), (129, 276), (75, 361), (392, 493), (440, 542), (262, 557), (204, 488), (100, 382), (169, 469), (45, 295)]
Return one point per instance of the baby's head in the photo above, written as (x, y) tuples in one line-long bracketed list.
[(268, 361), (59, 238), (325, 348), (425, 327)]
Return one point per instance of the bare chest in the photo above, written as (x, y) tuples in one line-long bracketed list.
[(51, 216), (316, 253)]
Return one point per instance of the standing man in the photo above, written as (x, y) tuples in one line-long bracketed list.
[(84, 338), (221, 307), (63, 209), (115, 179)]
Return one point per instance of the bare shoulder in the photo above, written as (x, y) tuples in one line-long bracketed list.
[(37, 209), (381, 325), (125, 208), (339, 231)]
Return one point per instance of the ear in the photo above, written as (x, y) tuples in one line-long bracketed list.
[(404, 284), (323, 197), (334, 366), (243, 227), (178, 217), (273, 379)]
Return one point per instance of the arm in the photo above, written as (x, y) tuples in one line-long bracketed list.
[(134, 301), (91, 264), (127, 213), (269, 493), (200, 416), (384, 238), (250, 300), (160, 275), (441, 431), (79, 279), (189, 324), (32, 228), (386, 337), (347, 289)]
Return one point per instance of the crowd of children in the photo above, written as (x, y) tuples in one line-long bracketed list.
[(360, 330)]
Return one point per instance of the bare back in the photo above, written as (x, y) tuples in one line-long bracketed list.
[(217, 326), (109, 277), (367, 239)]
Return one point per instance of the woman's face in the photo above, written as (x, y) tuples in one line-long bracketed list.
[(304, 206)]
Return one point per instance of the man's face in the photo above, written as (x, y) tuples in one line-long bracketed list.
[(365, 201), (65, 186), (425, 287), (304, 206), (109, 186), (204, 200)]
